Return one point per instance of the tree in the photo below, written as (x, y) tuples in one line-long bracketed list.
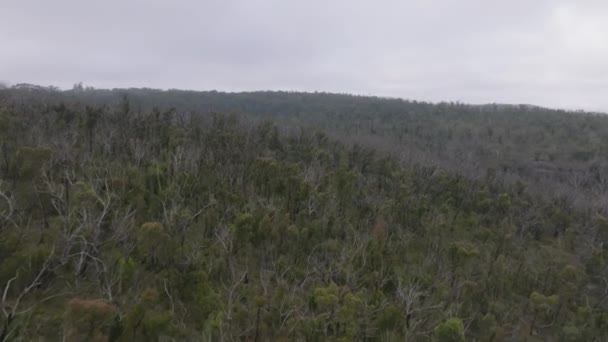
[(450, 330)]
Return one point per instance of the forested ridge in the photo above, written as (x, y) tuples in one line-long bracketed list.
[(553, 152), (143, 215)]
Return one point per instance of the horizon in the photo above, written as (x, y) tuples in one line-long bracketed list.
[(384, 97), (552, 56)]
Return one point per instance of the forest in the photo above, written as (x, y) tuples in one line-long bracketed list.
[(169, 215)]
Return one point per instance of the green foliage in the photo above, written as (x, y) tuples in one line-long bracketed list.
[(245, 228), (89, 319), (31, 160), (460, 252), (571, 333), (126, 268), (450, 330), (146, 320), (543, 303), (154, 244), (325, 298), (390, 319)]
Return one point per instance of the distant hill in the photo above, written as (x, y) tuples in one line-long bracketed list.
[(557, 153)]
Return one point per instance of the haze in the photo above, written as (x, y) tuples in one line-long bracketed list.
[(550, 53)]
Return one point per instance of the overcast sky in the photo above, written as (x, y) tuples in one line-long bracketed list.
[(545, 52)]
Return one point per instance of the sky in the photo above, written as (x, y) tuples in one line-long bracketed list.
[(545, 52)]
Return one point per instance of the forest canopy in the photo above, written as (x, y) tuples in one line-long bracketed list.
[(143, 215)]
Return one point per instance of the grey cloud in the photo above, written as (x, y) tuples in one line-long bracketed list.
[(543, 52)]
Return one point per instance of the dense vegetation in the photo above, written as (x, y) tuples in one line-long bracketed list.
[(123, 220), (552, 152)]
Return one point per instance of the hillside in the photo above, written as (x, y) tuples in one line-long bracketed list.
[(554, 152), (131, 215)]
